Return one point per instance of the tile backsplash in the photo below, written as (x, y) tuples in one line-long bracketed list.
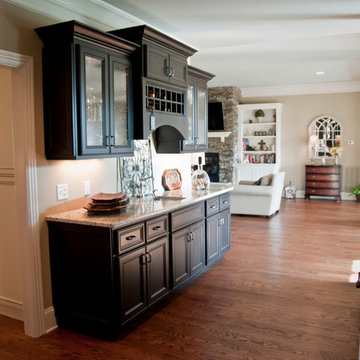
[(147, 163)]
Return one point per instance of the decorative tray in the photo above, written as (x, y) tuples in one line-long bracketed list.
[(171, 179)]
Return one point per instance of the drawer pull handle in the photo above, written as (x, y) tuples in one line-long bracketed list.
[(131, 237), (156, 227), (313, 176), (225, 202), (212, 206)]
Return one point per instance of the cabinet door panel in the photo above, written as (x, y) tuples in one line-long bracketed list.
[(93, 99), (120, 104), (157, 63), (180, 257), (212, 239), (132, 283), (225, 232), (197, 261), (158, 269), (178, 70)]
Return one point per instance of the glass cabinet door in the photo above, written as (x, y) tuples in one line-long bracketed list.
[(120, 105), (190, 116), (93, 95), (201, 137)]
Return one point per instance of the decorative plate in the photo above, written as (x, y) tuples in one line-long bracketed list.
[(171, 179)]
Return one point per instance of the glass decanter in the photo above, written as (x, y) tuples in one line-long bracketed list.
[(200, 179)]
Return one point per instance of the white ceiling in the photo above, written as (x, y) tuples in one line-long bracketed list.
[(246, 43)]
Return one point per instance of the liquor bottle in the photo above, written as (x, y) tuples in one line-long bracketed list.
[(200, 178)]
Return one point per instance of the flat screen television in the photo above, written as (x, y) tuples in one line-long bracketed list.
[(215, 116)]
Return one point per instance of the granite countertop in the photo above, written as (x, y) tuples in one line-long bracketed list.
[(140, 209)]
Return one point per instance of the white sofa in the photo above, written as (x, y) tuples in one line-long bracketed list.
[(257, 199)]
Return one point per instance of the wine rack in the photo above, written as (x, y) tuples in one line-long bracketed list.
[(164, 100)]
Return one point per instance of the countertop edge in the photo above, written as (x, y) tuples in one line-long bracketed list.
[(69, 216)]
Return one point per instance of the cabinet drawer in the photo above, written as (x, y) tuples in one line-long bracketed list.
[(157, 227), (187, 216), (212, 206), (319, 177), (131, 237), (324, 192), (224, 201), (323, 184), (323, 169)]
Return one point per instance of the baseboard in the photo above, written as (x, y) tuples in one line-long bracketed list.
[(11, 308), (344, 195), (49, 319)]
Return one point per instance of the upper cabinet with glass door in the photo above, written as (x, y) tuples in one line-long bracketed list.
[(87, 92), (196, 112)]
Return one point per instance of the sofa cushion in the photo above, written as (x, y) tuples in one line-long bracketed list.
[(266, 180)]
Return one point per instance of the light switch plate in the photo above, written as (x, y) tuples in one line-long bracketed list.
[(62, 191), (87, 187)]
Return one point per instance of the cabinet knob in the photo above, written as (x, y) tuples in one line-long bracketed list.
[(156, 227), (130, 237)]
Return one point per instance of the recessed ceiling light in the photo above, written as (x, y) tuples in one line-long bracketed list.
[(320, 73)]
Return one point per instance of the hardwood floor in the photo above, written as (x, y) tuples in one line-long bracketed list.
[(282, 292)]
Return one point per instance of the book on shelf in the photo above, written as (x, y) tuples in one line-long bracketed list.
[(259, 158)]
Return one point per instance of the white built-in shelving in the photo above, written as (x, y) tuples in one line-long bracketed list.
[(259, 141)]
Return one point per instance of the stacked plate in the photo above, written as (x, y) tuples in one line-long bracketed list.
[(103, 203)]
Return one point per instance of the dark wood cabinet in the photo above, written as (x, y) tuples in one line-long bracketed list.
[(144, 277), (188, 252), (104, 277), (87, 85), (197, 110), (160, 82), (217, 228), (164, 65), (323, 180)]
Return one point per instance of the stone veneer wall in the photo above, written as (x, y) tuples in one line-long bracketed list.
[(228, 150)]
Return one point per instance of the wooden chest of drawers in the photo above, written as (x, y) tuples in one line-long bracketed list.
[(323, 181)]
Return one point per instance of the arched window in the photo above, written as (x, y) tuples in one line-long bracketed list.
[(324, 133)]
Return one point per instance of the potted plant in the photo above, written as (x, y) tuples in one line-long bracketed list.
[(356, 192), (259, 114)]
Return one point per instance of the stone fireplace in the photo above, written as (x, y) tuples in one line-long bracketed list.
[(227, 149)]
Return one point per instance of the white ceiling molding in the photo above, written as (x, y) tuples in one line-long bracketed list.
[(302, 89), (96, 13)]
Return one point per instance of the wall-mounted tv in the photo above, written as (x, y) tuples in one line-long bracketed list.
[(215, 116)]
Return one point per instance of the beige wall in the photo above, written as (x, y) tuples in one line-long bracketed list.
[(10, 274), (298, 112)]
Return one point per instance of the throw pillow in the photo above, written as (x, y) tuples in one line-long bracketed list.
[(246, 182), (266, 180)]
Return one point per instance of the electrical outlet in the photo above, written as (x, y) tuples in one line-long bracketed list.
[(62, 191), (87, 187)]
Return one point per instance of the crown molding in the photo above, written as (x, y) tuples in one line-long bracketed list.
[(301, 89)]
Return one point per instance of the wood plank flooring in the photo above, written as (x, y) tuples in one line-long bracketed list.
[(282, 292)]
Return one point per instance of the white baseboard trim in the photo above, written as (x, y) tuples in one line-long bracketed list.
[(11, 308), (49, 319), (344, 195)]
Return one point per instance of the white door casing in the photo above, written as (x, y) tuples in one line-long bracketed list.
[(26, 189)]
